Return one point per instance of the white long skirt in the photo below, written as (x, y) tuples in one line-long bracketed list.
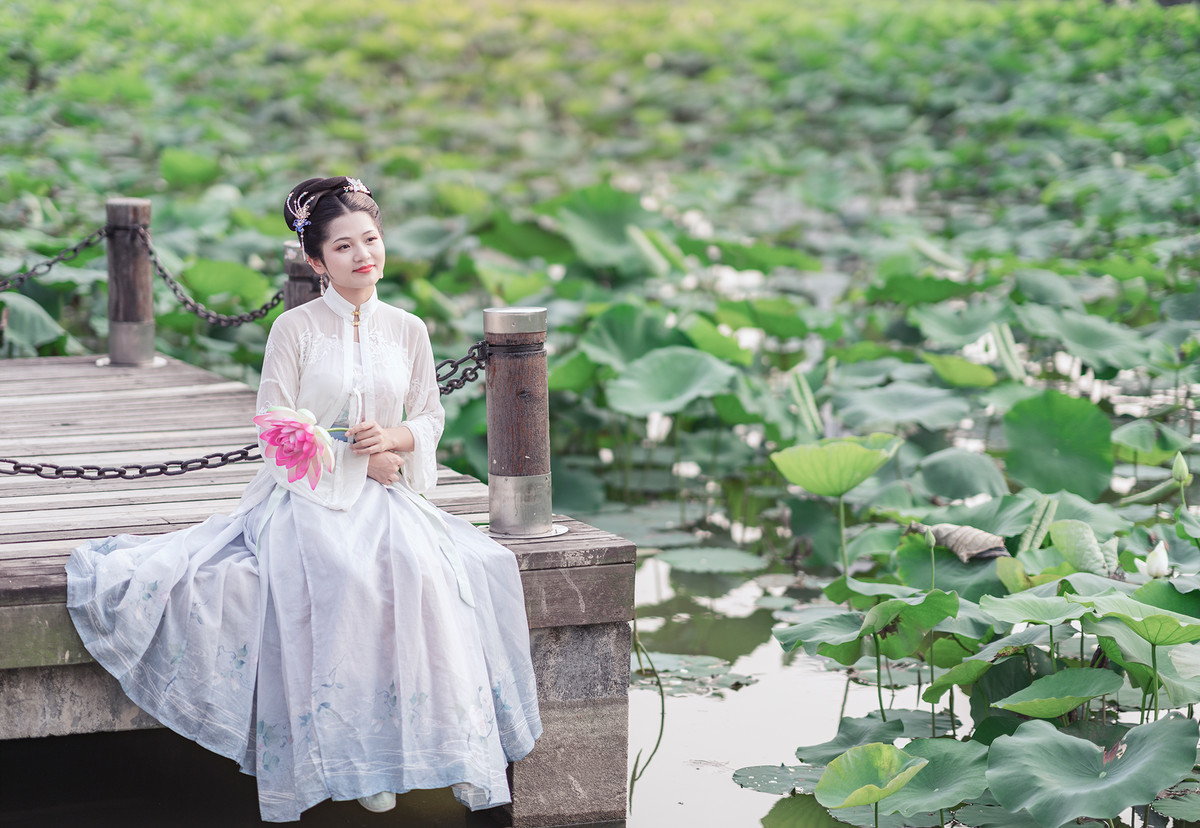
[(331, 654)]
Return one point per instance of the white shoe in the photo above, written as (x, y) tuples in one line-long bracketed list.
[(378, 803)]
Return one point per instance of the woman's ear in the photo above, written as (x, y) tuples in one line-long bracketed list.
[(315, 264)]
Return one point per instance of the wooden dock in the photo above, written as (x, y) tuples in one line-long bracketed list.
[(70, 412)]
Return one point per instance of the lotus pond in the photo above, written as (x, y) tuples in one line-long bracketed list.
[(875, 327)]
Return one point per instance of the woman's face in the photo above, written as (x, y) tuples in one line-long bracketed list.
[(352, 256)]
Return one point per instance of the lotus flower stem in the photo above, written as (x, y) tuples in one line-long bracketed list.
[(842, 528), (877, 813), (1154, 682), (879, 676)]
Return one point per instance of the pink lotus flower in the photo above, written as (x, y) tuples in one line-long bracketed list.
[(295, 441)]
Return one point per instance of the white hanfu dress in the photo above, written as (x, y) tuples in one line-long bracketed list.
[(337, 642)]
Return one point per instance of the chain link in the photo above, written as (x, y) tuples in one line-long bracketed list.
[(50, 471), (190, 304), (42, 268), (447, 368)]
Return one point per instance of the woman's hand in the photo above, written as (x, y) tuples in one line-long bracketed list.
[(384, 467), (371, 438)]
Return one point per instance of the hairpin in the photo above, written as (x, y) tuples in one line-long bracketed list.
[(301, 207), (353, 185)]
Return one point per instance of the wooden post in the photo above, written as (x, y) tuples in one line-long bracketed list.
[(130, 285), (518, 420), (302, 281)]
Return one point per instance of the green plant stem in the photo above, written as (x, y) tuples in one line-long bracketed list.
[(842, 530), (845, 698), (878, 676), (1155, 682), (1053, 666), (877, 814)]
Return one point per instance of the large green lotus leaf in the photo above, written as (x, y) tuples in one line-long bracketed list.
[(971, 580), (573, 373), (917, 724), (960, 372), (1023, 607), (864, 817), (711, 559), (764, 257), (970, 623), (827, 631), (1148, 442), (1004, 516), (902, 623), (208, 278), (595, 219), (28, 325), (1181, 802), (1052, 696), (779, 779), (866, 774), (852, 732), (1077, 543), (901, 403), (1133, 653), (1165, 593), (1186, 658), (1098, 342), (668, 380), (970, 669), (844, 588), (956, 324), (525, 239), (625, 333), (800, 811), (1157, 626), (1001, 398), (1059, 442), (833, 467), (1058, 778), (706, 337), (957, 772), (1045, 287), (778, 316), (1103, 518), (956, 473), (994, 816)]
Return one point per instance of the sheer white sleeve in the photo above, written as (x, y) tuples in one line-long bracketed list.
[(283, 364), (423, 414)]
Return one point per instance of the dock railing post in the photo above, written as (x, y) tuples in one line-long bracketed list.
[(518, 423), (302, 284), (130, 284)]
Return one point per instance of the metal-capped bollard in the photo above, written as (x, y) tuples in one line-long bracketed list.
[(518, 423)]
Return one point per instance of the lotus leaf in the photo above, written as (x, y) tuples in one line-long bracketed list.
[(1148, 442), (957, 473), (1133, 653), (866, 774), (956, 324), (959, 372), (1058, 778), (901, 403), (667, 380), (971, 668), (833, 467), (779, 779), (1052, 696), (1078, 545), (1181, 802), (1016, 609), (1157, 626), (625, 333), (1100, 343), (1059, 442), (901, 623), (711, 559), (957, 772), (853, 732), (826, 631), (800, 811), (970, 580)]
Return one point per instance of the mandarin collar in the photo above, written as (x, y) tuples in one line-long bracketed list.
[(345, 309)]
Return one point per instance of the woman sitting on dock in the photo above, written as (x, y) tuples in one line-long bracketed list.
[(339, 637)]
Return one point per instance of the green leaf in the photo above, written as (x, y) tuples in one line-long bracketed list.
[(1059, 778), (1157, 626), (901, 403), (208, 277), (970, 580), (801, 811), (957, 473), (1148, 442), (852, 732), (779, 779), (596, 220), (866, 774), (970, 669), (1181, 802), (959, 372), (574, 373), (183, 168), (1039, 526), (956, 324), (834, 466), (625, 333), (667, 380), (29, 326), (1054, 695), (1077, 543), (957, 772), (827, 631), (711, 559), (1098, 342), (707, 338), (1024, 608), (1133, 653), (1059, 442)]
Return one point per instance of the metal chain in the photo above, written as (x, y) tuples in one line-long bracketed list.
[(42, 268), (191, 304), (447, 368), (50, 471)]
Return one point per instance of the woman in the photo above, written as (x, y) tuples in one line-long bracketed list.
[(343, 639)]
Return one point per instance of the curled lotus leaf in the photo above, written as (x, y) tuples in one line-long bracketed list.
[(866, 774), (966, 542)]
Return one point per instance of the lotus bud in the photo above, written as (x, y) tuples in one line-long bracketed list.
[(1179, 470), (1156, 564), (930, 540)]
